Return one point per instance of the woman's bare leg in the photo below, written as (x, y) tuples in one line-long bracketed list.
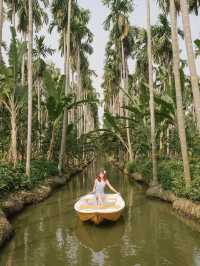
[(101, 199)]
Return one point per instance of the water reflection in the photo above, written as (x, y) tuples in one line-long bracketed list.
[(105, 236), (149, 234)]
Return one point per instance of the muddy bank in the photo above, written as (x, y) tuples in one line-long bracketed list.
[(16, 202), (159, 193), (183, 206), (6, 230)]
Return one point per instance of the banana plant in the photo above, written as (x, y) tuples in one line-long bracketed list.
[(12, 94)]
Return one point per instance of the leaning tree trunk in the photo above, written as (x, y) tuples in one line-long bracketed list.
[(151, 92), (30, 85), (64, 128), (1, 29), (191, 59), (180, 113)]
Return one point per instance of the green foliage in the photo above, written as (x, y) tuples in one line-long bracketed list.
[(170, 173), (12, 180), (142, 166), (194, 191), (171, 178), (131, 167), (168, 170)]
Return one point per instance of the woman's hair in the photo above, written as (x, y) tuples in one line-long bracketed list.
[(104, 176)]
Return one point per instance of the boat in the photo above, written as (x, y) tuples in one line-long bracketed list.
[(111, 209)]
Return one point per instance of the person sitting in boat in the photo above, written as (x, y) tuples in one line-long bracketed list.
[(101, 181)]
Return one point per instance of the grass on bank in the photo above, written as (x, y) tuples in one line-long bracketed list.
[(170, 172)]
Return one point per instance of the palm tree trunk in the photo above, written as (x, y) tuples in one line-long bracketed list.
[(151, 92), (30, 85), (79, 92), (1, 29), (13, 13), (180, 114), (168, 140), (39, 112), (23, 63), (50, 151), (125, 83), (64, 129), (191, 59), (13, 147)]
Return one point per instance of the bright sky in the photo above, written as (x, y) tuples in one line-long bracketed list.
[(98, 15)]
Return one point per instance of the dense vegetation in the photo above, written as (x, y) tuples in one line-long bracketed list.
[(152, 113), (34, 94)]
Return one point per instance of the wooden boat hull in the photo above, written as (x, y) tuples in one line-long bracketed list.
[(97, 218), (111, 209)]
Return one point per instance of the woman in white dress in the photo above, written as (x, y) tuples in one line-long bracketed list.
[(101, 181)]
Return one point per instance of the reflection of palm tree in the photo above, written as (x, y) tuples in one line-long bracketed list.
[(11, 255)]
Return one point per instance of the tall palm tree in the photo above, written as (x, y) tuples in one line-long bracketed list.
[(39, 18), (151, 92), (1, 28), (81, 46), (40, 52), (118, 24), (64, 128), (30, 85), (179, 103), (191, 58)]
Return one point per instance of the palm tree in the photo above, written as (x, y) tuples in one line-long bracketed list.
[(40, 52), (118, 24), (63, 140), (191, 58), (81, 47), (180, 114), (1, 29), (30, 85), (151, 91), (39, 18), (12, 10)]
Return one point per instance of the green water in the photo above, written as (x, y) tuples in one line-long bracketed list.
[(149, 233)]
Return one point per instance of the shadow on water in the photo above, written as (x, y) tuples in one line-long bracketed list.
[(148, 234)]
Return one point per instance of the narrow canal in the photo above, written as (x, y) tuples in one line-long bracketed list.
[(148, 234)]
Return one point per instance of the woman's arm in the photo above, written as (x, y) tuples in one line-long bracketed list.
[(94, 187), (111, 187)]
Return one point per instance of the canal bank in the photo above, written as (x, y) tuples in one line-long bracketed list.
[(148, 233), (182, 206), (15, 203)]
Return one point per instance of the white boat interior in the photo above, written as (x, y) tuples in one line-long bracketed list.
[(111, 203)]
